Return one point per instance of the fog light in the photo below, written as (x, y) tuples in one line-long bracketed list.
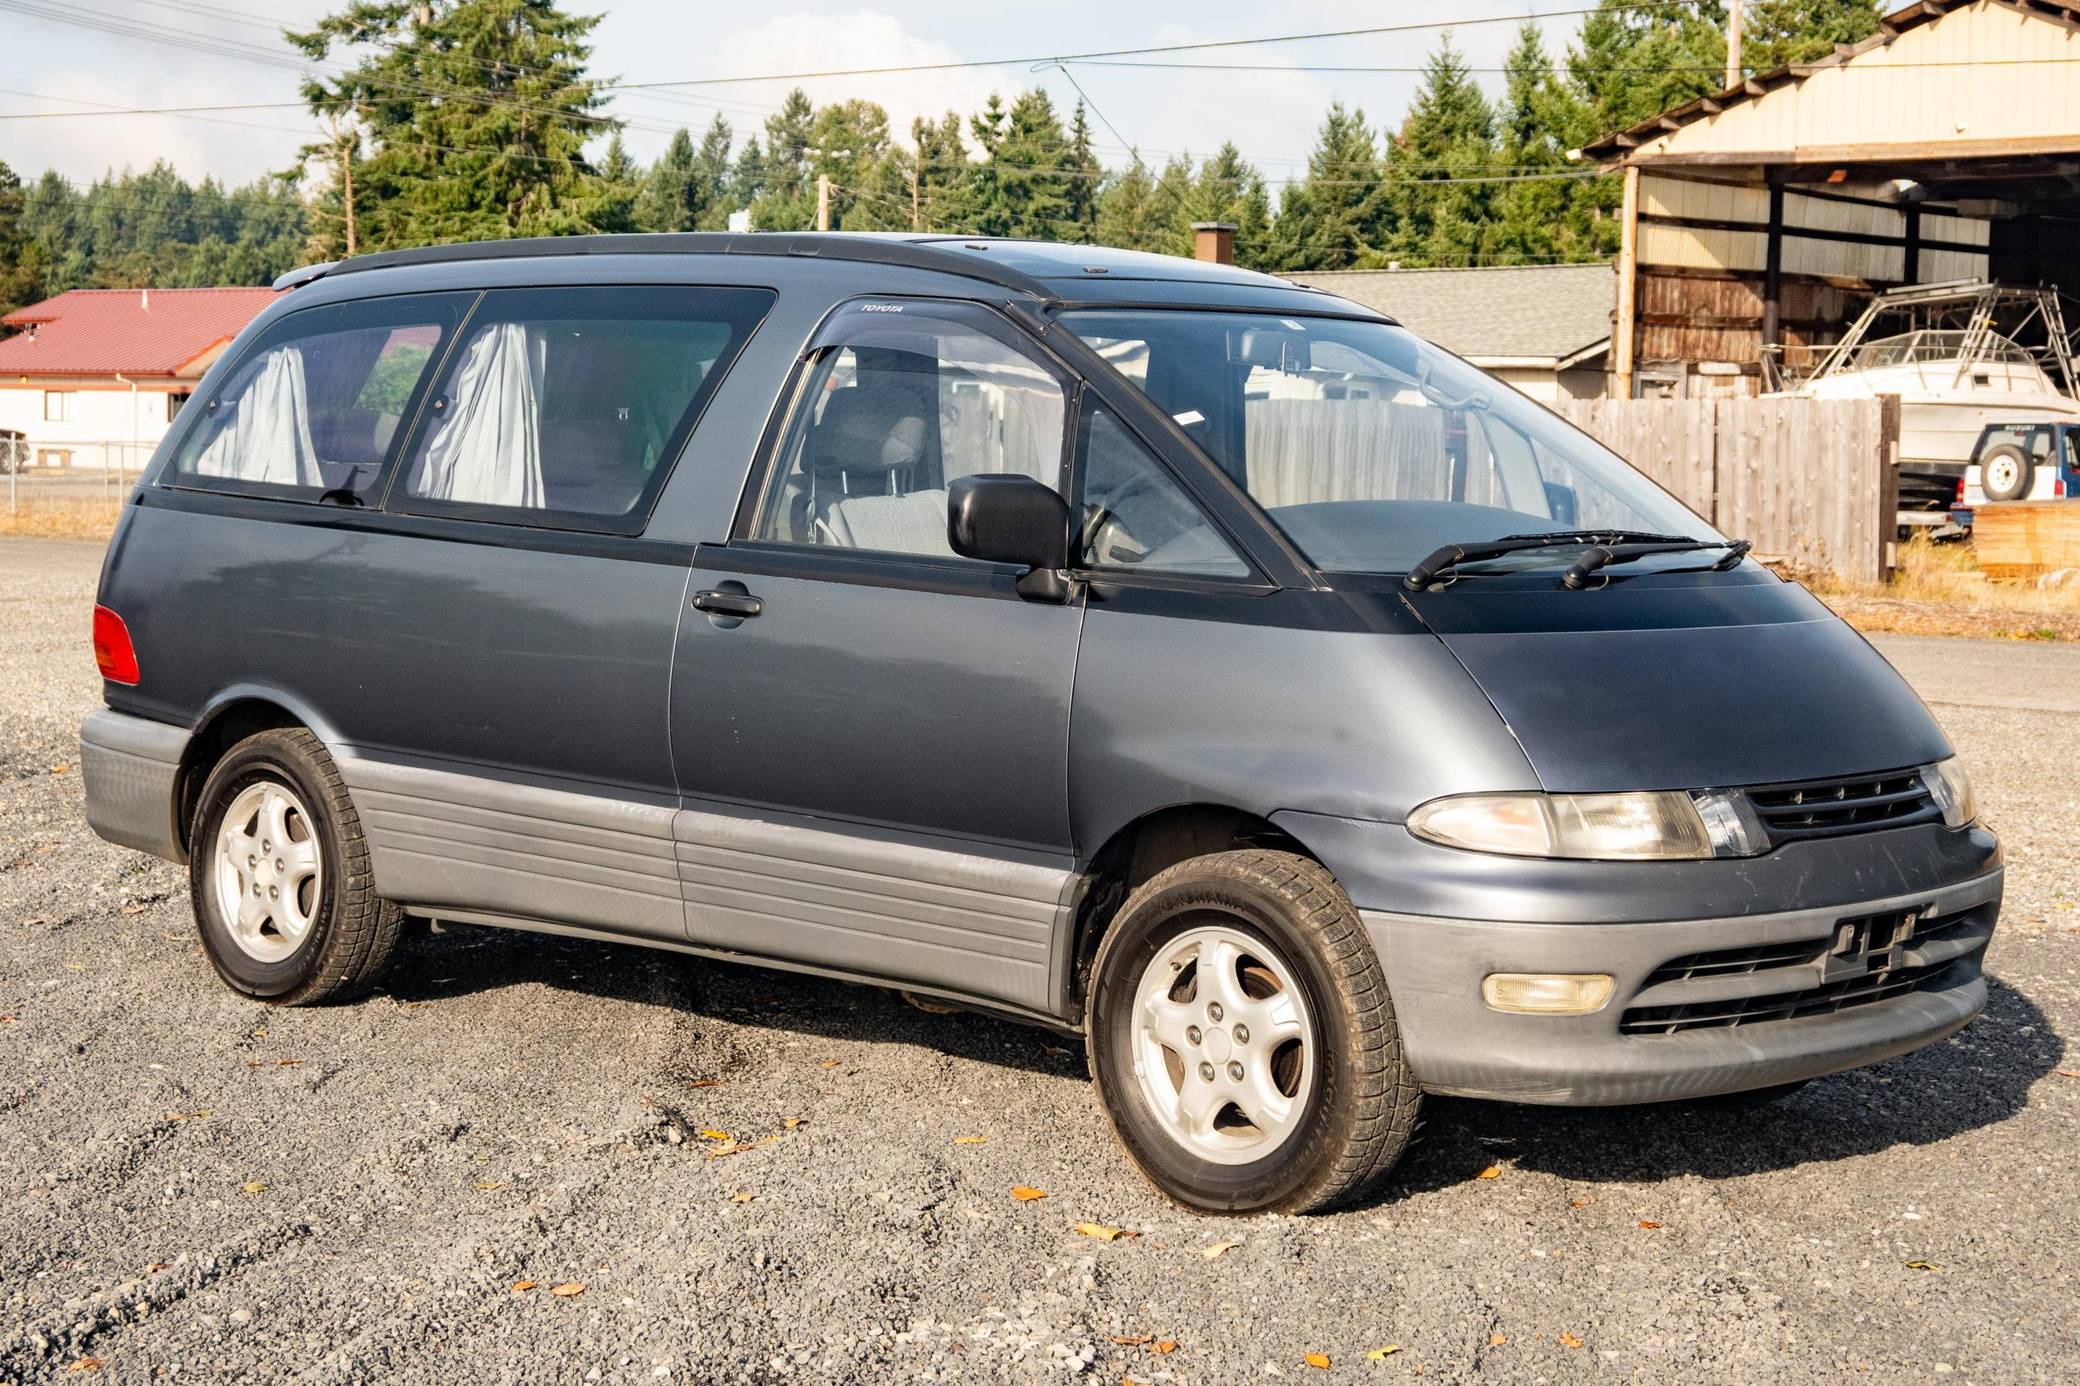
[(1546, 993)]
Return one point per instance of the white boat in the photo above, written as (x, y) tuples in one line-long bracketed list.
[(1953, 353)]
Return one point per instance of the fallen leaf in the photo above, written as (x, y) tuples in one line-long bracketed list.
[(1166, 1346), (521, 1287), (1923, 1266), (970, 1140), (1497, 1339), (1569, 1340), (1137, 1340), (705, 1083), (1219, 1249), (260, 1033), (1026, 1194), (87, 1364), (569, 1289), (489, 1186), (1318, 1360), (828, 1063), (1580, 1202), (1491, 1172), (60, 768), (288, 1063), (791, 1122), (716, 1136), (155, 1267), (1649, 1225), (1381, 1353), (6, 1020), (742, 1196), (2061, 1072), (254, 1186), (1104, 1233), (135, 909), (1054, 1051)]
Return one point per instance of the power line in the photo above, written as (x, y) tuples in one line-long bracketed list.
[(1049, 59)]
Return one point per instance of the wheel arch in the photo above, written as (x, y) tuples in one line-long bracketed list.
[(1144, 846), (229, 718)]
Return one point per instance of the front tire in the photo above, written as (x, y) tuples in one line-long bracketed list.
[(1242, 1039), (279, 877)]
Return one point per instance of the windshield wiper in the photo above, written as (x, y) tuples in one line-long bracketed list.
[(1603, 555), (1452, 555)]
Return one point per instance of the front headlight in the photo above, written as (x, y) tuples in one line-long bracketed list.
[(1951, 788), (1658, 825)]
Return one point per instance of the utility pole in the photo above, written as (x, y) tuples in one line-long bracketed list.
[(823, 202), (916, 177), (1733, 44), (346, 180)]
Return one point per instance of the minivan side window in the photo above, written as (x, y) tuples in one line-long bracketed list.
[(1136, 518), (318, 403), (898, 401), (565, 407)]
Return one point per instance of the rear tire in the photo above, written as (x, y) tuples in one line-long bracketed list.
[(1308, 1112), (2006, 473), (279, 877)]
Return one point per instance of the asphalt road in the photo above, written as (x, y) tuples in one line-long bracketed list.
[(194, 1187)]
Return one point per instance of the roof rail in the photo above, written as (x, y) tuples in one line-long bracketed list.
[(872, 249), (304, 274)]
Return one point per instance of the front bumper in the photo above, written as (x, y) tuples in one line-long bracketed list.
[(1751, 1001), (131, 766)]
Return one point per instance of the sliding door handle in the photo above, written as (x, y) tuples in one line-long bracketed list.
[(730, 600)]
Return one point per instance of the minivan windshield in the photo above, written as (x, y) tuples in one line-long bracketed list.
[(1370, 447)]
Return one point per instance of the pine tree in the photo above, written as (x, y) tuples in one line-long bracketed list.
[(1085, 175), (621, 184), (712, 171), (851, 143), (747, 179), (1553, 214), (1776, 33), (1229, 189), (1032, 161), (1330, 219), (1437, 210), (673, 195), (476, 113), (1628, 63), (1127, 213), (787, 196), (21, 260), (939, 172)]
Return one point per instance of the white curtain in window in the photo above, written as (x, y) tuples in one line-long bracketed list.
[(268, 437), (488, 448)]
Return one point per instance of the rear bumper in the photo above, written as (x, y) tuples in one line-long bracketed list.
[(1719, 1029), (132, 768)]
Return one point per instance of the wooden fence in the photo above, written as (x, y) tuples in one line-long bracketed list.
[(1810, 481)]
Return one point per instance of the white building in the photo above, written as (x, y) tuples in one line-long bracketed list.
[(93, 377)]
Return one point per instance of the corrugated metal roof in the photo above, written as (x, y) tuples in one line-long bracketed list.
[(147, 332), (1506, 312)]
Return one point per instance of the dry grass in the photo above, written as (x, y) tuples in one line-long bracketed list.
[(69, 518), (1939, 590)]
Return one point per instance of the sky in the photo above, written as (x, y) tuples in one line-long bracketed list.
[(61, 64)]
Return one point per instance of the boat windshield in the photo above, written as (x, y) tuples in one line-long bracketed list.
[(1932, 344)]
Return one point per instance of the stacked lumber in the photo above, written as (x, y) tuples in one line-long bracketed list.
[(2026, 539)]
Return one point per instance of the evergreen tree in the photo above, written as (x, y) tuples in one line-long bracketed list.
[(1544, 218), (939, 171), (786, 199), (1085, 176), (712, 172), (21, 260), (1330, 218), (1127, 212), (1776, 33), (1629, 63), (747, 180), (1434, 215), (621, 184), (851, 144), (673, 197), (1229, 189), (1032, 161)]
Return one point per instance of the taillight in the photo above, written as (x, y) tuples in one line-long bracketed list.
[(1960, 490), (113, 652)]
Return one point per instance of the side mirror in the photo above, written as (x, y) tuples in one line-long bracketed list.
[(1007, 518), (1563, 505)]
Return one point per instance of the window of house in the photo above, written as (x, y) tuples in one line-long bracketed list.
[(900, 399), (57, 406), (317, 405), (565, 407), (174, 400)]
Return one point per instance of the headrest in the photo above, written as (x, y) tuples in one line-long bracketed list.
[(869, 430)]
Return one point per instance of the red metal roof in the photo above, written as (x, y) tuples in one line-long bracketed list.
[(148, 332)]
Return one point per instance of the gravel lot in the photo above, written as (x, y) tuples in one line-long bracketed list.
[(195, 1187)]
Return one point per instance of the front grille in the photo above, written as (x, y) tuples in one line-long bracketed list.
[(1797, 962), (1829, 808), (1832, 996)]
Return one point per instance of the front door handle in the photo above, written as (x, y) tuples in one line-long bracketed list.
[(730, 600)]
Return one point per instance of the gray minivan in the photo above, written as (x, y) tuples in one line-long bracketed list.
[(1142, 648)]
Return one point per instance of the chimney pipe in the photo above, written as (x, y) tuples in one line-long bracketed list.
[(1734, 75), (1214, 242)]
